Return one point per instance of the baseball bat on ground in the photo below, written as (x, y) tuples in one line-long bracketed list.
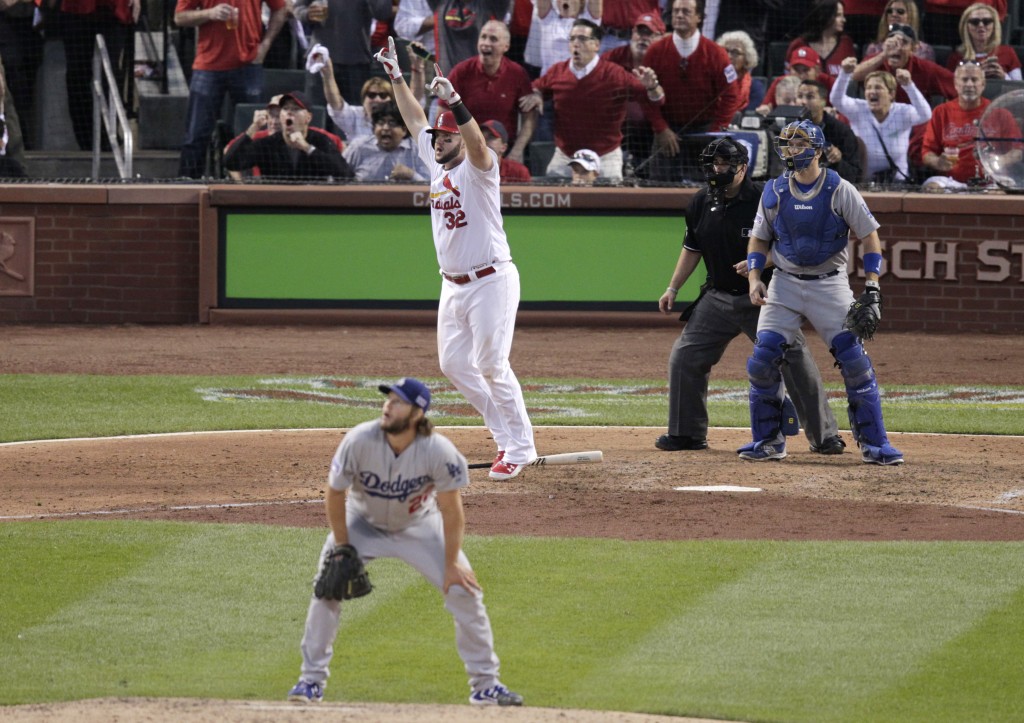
[(553, 459)]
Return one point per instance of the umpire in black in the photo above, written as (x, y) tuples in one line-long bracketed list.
[(718, 223)]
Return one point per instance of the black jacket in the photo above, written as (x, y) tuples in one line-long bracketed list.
[(276, 160)]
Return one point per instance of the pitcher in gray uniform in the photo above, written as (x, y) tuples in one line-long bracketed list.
[(394, 491)]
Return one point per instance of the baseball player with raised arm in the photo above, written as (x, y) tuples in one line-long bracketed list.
[(480, 285), (394, 491), (807, 215)]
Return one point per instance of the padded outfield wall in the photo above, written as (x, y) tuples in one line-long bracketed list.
[(256, 254)]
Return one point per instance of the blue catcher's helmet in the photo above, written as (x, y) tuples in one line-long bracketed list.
[(804, 130)]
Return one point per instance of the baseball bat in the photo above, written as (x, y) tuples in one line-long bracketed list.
[(554, 459)]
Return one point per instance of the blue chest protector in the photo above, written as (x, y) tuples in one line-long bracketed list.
[(808, 232)]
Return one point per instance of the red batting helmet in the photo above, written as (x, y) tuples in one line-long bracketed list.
[(445, 122)]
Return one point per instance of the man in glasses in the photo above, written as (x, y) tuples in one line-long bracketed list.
[(387, 155), (590, 96)]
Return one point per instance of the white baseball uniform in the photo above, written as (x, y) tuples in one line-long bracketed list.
[(391, 511), (479, 298)]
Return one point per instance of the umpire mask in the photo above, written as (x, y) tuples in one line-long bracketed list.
[(727, 150)]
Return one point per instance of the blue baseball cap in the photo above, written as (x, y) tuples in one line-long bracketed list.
[(409, 390)]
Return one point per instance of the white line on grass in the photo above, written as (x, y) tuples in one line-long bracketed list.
[(453, 427)]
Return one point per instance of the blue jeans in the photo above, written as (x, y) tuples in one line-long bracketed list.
[(205, 98)]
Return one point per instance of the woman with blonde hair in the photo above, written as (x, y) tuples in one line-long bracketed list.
[(881, 123), (900, 12), (981, 36)]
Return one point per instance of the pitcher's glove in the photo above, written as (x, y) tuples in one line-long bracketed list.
[(865, 313), (343, 576)]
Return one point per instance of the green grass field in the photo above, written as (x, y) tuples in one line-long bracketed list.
[(758, 631)]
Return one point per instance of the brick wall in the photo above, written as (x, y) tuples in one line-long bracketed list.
[(133, 254), (108, 256)]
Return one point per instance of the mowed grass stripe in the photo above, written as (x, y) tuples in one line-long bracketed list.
[(744, 630), (823, 632), (970, 678)]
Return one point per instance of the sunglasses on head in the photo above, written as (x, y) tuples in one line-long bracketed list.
[(978, 22), (378, 96)]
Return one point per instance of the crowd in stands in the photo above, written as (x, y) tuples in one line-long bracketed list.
[(581, 92)]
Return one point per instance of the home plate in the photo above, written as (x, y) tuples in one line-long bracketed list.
[(717, 488)]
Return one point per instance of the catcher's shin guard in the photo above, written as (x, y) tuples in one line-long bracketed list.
[(766, 387), (864, 402)]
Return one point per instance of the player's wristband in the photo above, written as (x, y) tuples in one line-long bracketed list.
[(756, 260), (672, 290), (872, 263), (461, 113)]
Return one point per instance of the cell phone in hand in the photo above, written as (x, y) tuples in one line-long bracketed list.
[(420, 51)]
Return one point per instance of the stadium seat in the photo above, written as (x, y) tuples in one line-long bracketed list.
[(995, 88), (540, 156), (942, 53), (777, 57), (281, 80), (244, 111)]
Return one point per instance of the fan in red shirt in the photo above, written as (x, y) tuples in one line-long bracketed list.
[(701, 92), (898, 52), (491, 85), (590, 97), (949, 136), (509, 170), (618, 17), (636, 131), (805, 63)]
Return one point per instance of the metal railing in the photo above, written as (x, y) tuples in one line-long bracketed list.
[(108, 114)]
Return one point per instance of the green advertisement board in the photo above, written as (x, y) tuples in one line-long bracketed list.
[(349, 259)]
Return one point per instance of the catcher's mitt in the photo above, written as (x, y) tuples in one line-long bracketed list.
[(865, 313), (343, 576)]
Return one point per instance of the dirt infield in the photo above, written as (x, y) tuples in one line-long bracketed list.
[(952, 487)]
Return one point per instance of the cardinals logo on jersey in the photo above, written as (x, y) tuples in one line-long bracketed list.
[(447, 183), (460, 17)]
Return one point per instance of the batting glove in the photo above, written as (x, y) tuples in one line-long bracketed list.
[(318, 57), (388, 57), (443, 89)]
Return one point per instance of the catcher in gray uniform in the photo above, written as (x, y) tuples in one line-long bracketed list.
[(394, 491), (807, 215)]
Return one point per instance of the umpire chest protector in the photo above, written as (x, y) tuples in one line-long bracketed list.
[(808, 230)]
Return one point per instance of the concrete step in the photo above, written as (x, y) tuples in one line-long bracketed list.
[(56, 165), (161, 115)]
